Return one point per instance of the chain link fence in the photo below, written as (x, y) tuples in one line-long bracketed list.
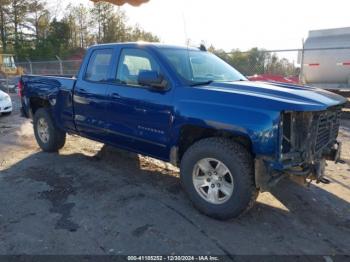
[(325, 67), (55, 67), (251, 63)]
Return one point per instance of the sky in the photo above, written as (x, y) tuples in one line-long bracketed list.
[(243, 24)]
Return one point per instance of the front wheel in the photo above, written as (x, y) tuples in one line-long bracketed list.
[(218, 176), (49, 138)]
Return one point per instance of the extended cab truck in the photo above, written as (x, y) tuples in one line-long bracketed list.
[(230, 137)]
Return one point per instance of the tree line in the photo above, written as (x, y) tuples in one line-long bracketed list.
[(30, 31), (257, 61)]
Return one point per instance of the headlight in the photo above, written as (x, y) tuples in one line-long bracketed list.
[(5, 98)]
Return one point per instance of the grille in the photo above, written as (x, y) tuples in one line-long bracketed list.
[(327, 128)]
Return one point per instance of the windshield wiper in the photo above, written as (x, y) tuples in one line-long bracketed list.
[(202, 83)]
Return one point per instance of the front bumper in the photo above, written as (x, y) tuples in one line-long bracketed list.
[(268, 174), (5, 107), (306, 141)]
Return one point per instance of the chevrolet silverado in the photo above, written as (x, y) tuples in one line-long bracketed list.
[(230, 137)]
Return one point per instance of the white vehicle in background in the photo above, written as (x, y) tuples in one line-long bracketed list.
[(5, 103), (326, 59)]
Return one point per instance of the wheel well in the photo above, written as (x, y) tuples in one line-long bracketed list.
[(36, 103), (191, 134)]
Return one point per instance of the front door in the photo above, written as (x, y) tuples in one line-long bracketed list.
[(141, 116)]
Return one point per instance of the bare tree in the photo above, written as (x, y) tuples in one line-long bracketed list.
[(39, 19), (4, 12)]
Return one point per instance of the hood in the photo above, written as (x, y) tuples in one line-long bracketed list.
[(279, 96), (3, 94)]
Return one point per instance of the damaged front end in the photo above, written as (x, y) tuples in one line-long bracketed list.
[(306, 141)]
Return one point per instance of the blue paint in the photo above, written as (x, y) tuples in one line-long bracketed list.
[(149, 120)]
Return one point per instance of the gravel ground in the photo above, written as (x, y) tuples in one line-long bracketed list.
[(93, 199)]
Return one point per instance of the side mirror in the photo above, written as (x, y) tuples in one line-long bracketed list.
[(151, 78)]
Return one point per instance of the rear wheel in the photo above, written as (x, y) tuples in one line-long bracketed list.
[(49, 138), (218, 176)]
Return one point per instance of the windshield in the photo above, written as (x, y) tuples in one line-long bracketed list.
[(197, 67)]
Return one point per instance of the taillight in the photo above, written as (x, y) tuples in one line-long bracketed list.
[(20, 88)]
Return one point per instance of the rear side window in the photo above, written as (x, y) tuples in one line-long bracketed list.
[(99, 65)]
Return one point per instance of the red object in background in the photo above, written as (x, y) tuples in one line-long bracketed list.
[(275, 78), (20, 88)]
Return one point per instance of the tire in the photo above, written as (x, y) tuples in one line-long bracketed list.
[(51, 139), (237, 165), (7, 113)]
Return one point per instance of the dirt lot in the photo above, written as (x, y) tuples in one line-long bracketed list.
[(92, 199)]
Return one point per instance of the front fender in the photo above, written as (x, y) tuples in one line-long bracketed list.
[(260, 126)]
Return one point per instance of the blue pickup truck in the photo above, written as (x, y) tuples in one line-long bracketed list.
[(230, 137)]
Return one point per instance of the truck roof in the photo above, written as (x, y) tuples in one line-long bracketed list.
[(156, 45)]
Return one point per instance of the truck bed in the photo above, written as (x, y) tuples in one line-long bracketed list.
[(32, 82), (57, 90)]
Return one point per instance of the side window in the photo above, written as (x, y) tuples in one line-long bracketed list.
[(132, 62), (99, 65)]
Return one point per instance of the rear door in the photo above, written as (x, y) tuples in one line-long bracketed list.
[(139, 116), (90, 94)]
